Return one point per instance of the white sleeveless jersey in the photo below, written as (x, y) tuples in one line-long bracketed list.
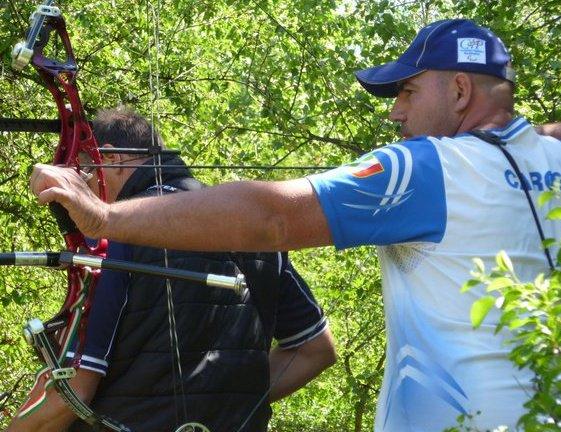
[(431, 205)]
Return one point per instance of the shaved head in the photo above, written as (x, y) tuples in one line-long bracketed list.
[(500, 91)]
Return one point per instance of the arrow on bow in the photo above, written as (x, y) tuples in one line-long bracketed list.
[(54, 126)]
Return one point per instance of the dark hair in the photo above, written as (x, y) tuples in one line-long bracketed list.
[(123, 127)]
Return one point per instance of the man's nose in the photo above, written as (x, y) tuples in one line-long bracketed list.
[(397, 113)]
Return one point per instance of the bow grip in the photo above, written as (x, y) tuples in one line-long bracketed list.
[(63, 220)]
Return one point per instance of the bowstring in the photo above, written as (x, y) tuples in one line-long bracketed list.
[(153, 16)]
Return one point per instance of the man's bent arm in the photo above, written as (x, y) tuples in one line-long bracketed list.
[(291, 369), (55, 415)]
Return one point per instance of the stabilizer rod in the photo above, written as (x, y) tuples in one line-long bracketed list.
[(65, 258)]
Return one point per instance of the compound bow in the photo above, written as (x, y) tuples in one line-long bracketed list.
[(52, 339)]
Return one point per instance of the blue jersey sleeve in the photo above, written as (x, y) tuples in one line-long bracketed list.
[(109, 300), (391, 195)]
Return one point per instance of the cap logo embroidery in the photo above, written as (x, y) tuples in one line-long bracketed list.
[(471, 50)]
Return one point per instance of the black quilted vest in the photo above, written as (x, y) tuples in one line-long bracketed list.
[(224, 338)]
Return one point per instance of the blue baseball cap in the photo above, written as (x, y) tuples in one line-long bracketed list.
[(455, 44)]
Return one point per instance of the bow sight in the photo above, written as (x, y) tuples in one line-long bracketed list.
[(23, 51)]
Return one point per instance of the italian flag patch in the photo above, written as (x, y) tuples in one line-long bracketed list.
[(366, 167)]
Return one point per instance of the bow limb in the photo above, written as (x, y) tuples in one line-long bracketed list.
[(76, 136)]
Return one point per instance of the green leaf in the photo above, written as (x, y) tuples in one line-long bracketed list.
[(547, 243), (544, 197), (554, 214), (504, 262), (516, 323), (499, 284), (469, 285), (479, 265), (480, 309)]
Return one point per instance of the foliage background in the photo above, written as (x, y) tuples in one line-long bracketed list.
[(248, 82)]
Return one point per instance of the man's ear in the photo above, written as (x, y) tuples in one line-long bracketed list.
[(463, 91), (111, 158)]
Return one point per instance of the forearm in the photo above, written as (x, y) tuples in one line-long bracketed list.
[(291, 369), (54, 415), (242, 216)]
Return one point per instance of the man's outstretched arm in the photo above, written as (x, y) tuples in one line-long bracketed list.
[(243, 216), (55, 415)]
